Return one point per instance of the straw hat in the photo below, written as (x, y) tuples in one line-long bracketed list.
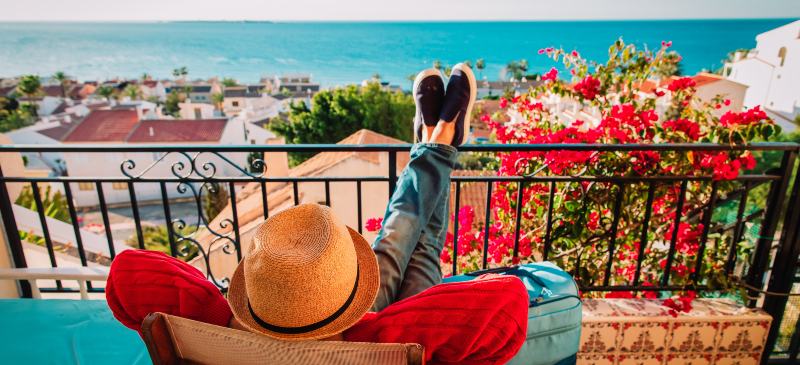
[(305, 276)]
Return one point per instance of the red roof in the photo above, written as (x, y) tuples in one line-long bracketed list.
[(52, 90), (150, 84), (178, 130), (61, 108), (104, 126), (96, 106), (706, 78)]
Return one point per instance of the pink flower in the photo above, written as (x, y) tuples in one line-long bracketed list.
[(374, 224), (681, 84), (727, 102), (541, 51), (718, 106), (588, 87), (575, 53), (550, 75), (503, 102)]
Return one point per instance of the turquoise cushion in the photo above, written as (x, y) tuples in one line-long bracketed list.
[(61, 331)]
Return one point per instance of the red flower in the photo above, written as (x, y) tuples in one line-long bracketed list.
[(659, 93), (486, 118), (727, 102), (644, 161), (747, 161), (748, 117), (541, 51), (588, 87), (503, 102), (718, 106), (575, 53), (550, 75), (681, 84), (374, 224), (689, 128)]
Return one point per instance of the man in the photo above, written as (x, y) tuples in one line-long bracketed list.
[(307, 276)]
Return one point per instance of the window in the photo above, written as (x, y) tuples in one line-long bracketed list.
[(203, 97), (782, 55), (120, 185), (85, 186), (235, 103), (197, 114)]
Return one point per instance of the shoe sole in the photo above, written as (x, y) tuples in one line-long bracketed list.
[(473, 85), (421, 76)]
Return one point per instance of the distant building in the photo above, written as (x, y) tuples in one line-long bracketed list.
[(298, 83), (234, 98), (487, 88), (196, 111), (772, 72), (203, 93)]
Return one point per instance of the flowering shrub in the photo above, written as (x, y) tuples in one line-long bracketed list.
[(374, 224), (583, 212)]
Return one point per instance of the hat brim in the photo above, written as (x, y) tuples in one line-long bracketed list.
[(367, 291)]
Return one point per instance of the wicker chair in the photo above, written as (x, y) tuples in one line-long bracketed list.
[(174, 340)]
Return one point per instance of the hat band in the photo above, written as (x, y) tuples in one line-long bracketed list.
[(310, 327)]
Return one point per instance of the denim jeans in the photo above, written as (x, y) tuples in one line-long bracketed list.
[(415, 225)]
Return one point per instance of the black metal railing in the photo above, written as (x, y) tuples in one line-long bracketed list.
[(191, 176)]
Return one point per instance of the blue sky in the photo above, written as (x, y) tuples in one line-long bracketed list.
[(395, 10)]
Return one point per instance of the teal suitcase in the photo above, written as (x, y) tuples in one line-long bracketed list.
[(554, 314)]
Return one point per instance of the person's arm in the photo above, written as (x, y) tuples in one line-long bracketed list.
[(483, 321)]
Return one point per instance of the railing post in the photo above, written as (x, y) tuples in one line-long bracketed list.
[(12, 236), (392, 172), (769, 224), (783, 271)]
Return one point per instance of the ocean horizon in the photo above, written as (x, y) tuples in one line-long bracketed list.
[(340, 53)]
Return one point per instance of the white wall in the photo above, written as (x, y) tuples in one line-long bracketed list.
[(29, 135)]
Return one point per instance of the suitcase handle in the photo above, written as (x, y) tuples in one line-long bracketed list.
[(495, 270)]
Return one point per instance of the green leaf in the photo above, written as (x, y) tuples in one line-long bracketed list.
[(766, 131), (577, 229), (777, 128), (572, 205), (743, 295)]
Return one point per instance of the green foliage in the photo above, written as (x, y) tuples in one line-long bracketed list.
[(171, 103), (29, 86), (55, 205), (63, 79), (470, 161), (219, 100), (491, 97), (468, 63), (437, 65), (13, 120), (216, 200), (133, 92), (286, 92), (106, 91), (337, 114), (376, 76), (157, 239), (516, 69), (670, 65), (229, 82)]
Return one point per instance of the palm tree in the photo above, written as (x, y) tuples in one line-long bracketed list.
[(376, 77), (133, 92), (187, 89), (411, 78), (229, 82), (14, 120), (30, 85), (63, 79), (670, 66), (218, 99), (437, 65), (447, 71), (480, 64), (176, 73), (468, 63), (145, 76), (184, 72), (105, 91)]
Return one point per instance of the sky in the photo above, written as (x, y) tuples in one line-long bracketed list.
[(395, 10)]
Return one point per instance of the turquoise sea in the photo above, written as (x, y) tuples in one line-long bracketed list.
[(343, 52)]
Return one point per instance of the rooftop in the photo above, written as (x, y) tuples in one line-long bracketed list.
[(104, 126), (177, 130)]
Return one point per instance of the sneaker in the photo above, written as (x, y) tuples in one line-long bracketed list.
[(428, 95), (459, 100)]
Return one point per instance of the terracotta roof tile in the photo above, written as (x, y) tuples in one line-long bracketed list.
[(472, 194), (104, 126), (52, 90), (178, 130), (706, 78), (61, 108), (325, 160)]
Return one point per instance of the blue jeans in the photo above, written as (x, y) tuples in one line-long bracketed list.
[(415, 225)]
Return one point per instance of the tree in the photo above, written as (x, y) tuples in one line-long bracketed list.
[(187, 90), (376, 77), (105, 91), (229, 82), (219, 100), (13, 120), (516, 69), (447, 70), (171, 103), (180, 72), (286, 92), (29, 86), (411, 78), (54, 204), (145, 76), (468, 63), (63, 81), (480, 65), (216, 200), (133, 92), (437, 65), (338, 113)]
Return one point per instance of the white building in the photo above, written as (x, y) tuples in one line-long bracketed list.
[(772, 71), (127, 127)]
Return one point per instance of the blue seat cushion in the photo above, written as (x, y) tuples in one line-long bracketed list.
[(60, 331)]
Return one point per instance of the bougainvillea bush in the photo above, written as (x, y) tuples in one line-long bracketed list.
[(583, 211)]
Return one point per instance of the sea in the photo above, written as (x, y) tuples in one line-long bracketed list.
[(339, 53)]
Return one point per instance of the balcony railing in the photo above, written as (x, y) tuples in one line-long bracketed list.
[(773, 252)]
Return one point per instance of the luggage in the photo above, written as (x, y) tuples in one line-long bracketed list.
[(554, 315)]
